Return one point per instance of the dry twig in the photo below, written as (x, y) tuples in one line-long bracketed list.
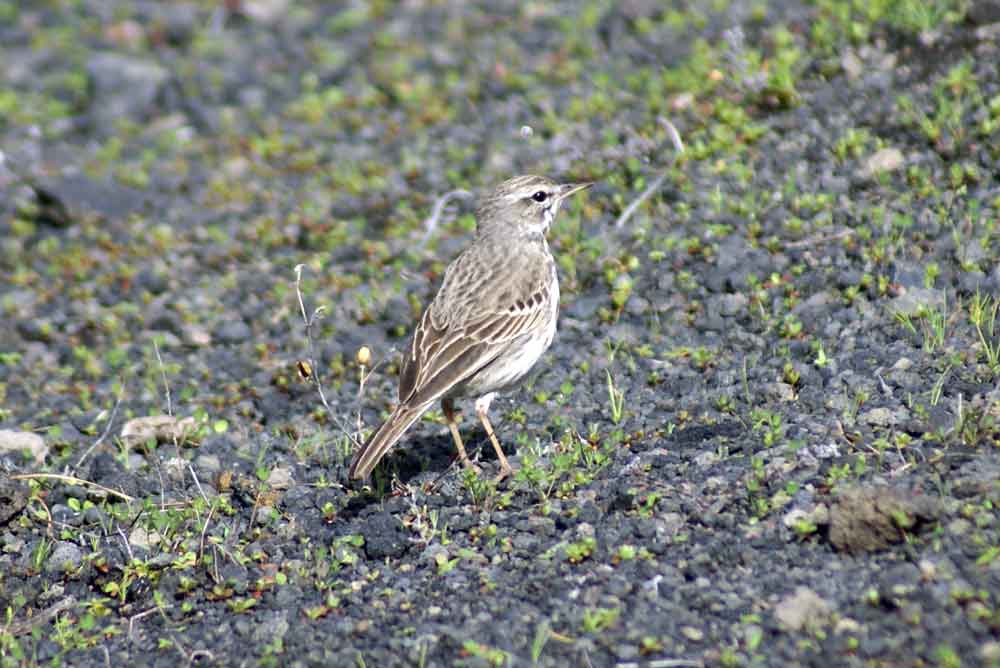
[(73, 480), (107, 429), (432, 221), (658, 181)]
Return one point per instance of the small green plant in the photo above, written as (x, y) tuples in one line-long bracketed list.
[(40, 554), (983, 312), (626, 553), (805, 527), (580, 550), (791, 327), (444, 564), (759, 504), (769, 424), (933, 323), (596, 620), (725, 404), (990, 555), (542, 633), (241, 605), (790, 374), (947, 657), (838, 473), (648, 506), (937, 390), (650, 645), (480, 489), (616, 400), (494, 657), (821, 359)]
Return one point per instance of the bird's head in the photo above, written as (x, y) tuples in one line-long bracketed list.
[(523, 205)]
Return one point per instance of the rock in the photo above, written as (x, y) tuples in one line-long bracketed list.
[(385, 537), (13, 499), (959, 527), (164, 321), (123, 87), (975, 478), (63, 514), (232, 332), (18, 442), (153, 282), (176, 20), (195, 335), (817, 303), (207, 464), (273, 626), (140, 537), (972, 251), (94, 515), (984, 12), (158, 428), (779, 391), (265, 515), (65, 557), (851, 64), (885, 160), (733, 304), (105, 468), (707, 459), (127, 34), (902, 364), (866, 519), (34, 329), (802, 610), (846, 625), (915, 300), (280, 478), (817, 516), (990, 653), (175, 469), (267, 12), (65, 199), (878, 417)]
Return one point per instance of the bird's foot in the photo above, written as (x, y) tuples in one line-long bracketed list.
[(470, 466), (505, 472)]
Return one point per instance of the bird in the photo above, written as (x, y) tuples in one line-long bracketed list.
[(491, 320)]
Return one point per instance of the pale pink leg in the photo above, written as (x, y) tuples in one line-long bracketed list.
[(482, 410), (448, 406)]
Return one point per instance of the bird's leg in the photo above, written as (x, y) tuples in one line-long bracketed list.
[(482, 410), (448, 406)]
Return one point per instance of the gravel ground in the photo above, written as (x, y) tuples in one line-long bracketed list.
[(766, 435)]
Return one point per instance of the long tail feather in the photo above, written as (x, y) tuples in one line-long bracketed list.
[(383, 439)]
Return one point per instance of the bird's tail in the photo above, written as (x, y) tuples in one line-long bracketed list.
[(379, 443)]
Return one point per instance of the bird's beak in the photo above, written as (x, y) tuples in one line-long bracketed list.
[(567, 189)]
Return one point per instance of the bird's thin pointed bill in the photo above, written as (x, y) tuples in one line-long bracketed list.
[(567, 189)]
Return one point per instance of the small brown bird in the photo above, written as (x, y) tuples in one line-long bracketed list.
[(490, 322)]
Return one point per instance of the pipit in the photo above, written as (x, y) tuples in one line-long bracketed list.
[(490, 322)]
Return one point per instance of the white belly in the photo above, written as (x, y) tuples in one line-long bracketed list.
[(513, 365)]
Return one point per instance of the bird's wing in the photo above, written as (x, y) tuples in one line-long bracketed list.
[(473, 319)]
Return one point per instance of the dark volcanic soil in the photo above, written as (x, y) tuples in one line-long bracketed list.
[(766, 435)]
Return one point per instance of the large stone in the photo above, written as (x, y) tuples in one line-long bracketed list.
[(123, 87), (23, 442), (802, 610), (866, 519), (64, 557), (158, 428)]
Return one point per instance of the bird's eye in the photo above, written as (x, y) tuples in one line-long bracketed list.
[(540, 196)]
